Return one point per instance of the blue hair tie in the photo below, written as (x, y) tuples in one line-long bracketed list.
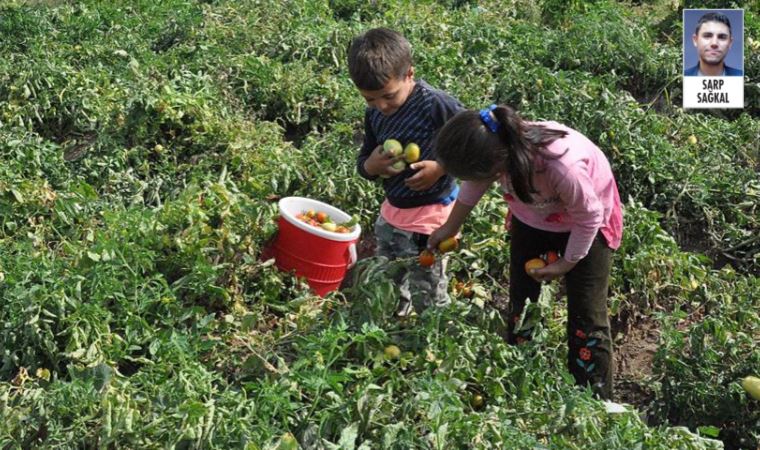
[(485, 116)]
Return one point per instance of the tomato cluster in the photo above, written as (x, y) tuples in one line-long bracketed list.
[(408, 155), (539, 263), (465, 289), (321, 219), (427, 258)]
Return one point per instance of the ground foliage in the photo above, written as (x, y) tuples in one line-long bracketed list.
[(143, 146)]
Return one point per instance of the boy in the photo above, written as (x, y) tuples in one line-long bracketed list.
[(419, 197)]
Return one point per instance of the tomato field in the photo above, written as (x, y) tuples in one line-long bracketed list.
[(144, 146)]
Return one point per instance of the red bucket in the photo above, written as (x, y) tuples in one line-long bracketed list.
[(320, 256)]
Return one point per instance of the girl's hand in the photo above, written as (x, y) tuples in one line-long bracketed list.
[(428, 172), (552, 271), (452, 226), (439, 235)]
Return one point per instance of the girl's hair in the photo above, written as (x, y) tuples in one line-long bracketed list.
[(468, 149)]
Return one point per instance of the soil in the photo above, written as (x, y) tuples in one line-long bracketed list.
[(634, 355), (366, 247)]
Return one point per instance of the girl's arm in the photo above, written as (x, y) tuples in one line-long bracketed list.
[(453, 224), (469, 195), (576, 189)]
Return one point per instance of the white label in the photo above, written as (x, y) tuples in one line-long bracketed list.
[(713, 92)]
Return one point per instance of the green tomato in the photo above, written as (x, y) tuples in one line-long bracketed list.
[(752, 386), (399, 165), (329, 226), (392, 352), (392, 147)]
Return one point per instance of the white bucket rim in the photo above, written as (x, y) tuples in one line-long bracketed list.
[(290, 206)]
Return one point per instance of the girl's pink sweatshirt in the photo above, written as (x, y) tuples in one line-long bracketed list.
[(576, 193)]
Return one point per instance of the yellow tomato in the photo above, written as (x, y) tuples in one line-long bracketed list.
[(448, 245), (535, 263), (411, 152), (477, 401)]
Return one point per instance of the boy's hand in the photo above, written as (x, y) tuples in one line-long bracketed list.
[(380, 164), (428, 172)]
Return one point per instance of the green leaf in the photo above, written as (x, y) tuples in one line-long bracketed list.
[(287, 442), (709, 430), (353, 221), (17, 195), (348, 437)]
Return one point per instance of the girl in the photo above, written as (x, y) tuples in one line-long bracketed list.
[(563, 197)]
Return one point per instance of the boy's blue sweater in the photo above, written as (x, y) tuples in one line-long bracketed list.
[(418, 120)]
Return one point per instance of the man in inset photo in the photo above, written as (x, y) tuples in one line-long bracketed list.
[(713, 41)]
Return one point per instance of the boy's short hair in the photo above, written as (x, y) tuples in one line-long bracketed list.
[(377, 56), (713, 17)]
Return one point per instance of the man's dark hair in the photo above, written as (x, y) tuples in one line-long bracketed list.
[(713, 17), (377, 56)]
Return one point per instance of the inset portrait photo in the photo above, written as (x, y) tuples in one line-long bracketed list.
[(713, 42)]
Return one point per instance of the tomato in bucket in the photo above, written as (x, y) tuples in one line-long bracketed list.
[(315, 253)]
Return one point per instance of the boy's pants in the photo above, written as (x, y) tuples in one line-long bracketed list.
[(589, 357), (421, 286)]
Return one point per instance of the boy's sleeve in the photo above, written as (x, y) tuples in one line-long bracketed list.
[(370, 142), (444, 109)]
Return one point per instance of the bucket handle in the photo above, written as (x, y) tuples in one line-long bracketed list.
[(351, 255)]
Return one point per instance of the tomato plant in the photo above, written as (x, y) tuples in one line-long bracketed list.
[(144, 148)]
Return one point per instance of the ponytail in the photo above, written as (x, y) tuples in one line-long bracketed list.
[(473, 145), (518, 151)]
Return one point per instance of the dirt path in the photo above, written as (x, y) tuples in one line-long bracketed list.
[(634, 355)]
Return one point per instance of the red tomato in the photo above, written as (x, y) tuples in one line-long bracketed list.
[(426, 259)]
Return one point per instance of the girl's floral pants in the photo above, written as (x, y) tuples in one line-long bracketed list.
[(589, 356)]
